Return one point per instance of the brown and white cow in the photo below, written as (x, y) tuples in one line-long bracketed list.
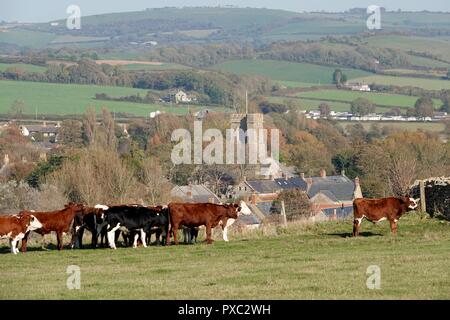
[(197, 214), (15, 227), (58, 221), (376, 210)]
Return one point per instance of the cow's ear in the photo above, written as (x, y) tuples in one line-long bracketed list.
[(236, 205)]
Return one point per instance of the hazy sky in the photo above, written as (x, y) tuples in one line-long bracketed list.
[(46, 10)]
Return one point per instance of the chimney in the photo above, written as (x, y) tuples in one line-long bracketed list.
[(343, 172), (302, 175), (6, 159), (244, 178), (45, 123), (253, 201), (189, 192), (323, 173)]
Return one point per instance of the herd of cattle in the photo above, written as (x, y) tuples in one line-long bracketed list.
[(137, 223), (134, 222)]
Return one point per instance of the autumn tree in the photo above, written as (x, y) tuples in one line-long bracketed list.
[(362, 107), (324, 109), (424, 107), (71, 133), (296, 202)]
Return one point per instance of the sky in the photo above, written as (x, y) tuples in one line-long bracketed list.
[(47, 10)]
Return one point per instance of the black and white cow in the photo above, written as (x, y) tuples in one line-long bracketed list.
[(135, 220)]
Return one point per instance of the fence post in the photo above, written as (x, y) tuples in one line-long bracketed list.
[(423, 203), (283, 214)]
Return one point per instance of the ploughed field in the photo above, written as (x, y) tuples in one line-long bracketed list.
[(304, 261)]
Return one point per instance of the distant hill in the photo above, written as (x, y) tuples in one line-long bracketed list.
[(222, 23)]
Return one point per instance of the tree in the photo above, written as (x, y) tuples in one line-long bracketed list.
[(396, 111), (337, 75), (296, 203), (324, 109), (424, 107), (446, 101), (362, 106), (71, 133), (18, 108)]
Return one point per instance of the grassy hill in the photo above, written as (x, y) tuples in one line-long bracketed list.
[(318, 261), (287, 71), (71, 99)]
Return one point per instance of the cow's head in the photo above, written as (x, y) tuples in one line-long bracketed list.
[(412, 203), (31, 221), (244, 209)]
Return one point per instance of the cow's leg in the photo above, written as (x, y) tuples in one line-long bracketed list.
[(111, 234), (24, 241), (158, 234), (12, 244), (356, 225), (208, 234), (136, 236), (77, 239), (175, 232), (225, 232), (94, 239), (143, 238), (59, 239), (393, 226)]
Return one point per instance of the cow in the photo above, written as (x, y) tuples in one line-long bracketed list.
[(137, 220), (192, 215), (376, 210), (90, 219), (60, 221), (15, 227)]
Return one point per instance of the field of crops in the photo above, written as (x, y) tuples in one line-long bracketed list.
[(287, 71), (382, 99), (304, 261), (68, 99)]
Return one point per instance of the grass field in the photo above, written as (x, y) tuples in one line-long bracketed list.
[(23, 66), (429, 84), (67, 99), (26, 38), (382, 99), (437, 46), (287, 71), (318, 261)]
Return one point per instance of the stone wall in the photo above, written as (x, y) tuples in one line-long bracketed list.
[(437, 195)]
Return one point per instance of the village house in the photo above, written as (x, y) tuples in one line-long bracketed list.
[(179, 97), (194, 193), (331, 196), (360, 87), (48, 132)]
